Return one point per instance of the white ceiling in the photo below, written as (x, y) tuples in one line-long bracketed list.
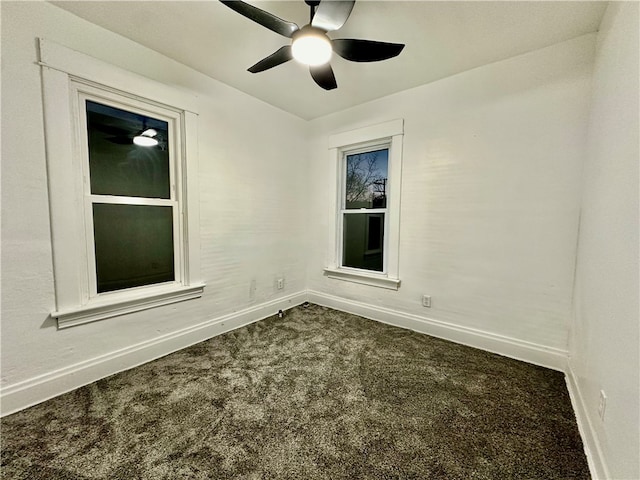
[(442, 38)]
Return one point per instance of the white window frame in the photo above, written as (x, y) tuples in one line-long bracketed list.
[(69, 77), (80, 92), (386, 135), (344, 152)]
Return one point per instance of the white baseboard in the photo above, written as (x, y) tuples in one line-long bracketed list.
[(38, 389), (595, 458), (548, 357)]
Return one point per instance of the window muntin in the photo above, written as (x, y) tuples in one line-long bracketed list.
[(132, 204), (364, 208)]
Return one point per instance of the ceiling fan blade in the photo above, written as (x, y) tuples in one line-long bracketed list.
[(265, 19), (331, 15), (323, 76), (283, 54), (365, 50)]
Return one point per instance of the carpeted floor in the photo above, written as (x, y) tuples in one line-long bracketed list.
[(319, 394)]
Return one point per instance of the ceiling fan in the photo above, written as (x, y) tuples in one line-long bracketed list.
[(310, 44)]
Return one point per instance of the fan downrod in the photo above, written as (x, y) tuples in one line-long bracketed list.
[(313, 4)]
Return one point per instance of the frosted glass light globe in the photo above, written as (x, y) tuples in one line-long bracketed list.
[(144, 141), (311, 47)]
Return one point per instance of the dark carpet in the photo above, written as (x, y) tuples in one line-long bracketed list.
[(318, 394)]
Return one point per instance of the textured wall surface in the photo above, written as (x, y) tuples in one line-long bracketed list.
[(251, 156), (605, 335), (490, 194)]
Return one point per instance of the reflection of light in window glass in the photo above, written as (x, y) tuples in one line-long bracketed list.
[(366, 179), (116, 165)]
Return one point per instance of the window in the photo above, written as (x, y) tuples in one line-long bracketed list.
[(122, 173), (364, 241), (131, 202), (364, 208)]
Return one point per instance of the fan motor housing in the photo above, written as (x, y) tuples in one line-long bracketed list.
[(309, 31)]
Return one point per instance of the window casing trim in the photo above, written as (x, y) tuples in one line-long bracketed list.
[(386, 134), (64, 73), (363, 277), (127, 303), (85, 68)]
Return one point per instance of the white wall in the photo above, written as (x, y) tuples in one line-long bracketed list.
[(490, 207), (490, 201), (251, 156), (605, 337)]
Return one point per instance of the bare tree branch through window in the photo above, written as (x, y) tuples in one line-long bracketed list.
[(366, 179)]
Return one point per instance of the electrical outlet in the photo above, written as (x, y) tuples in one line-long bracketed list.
[(280, 283), (602, 404), (426, 301)]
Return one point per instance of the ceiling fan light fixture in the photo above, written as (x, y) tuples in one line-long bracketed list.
[(145, 139), (311, 46)]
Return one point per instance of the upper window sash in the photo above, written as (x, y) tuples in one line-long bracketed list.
[(83, 92), (363, 149)]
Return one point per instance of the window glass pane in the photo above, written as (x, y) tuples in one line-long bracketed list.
[(363, 241), (118, 166), (133, 245), (366, 179)]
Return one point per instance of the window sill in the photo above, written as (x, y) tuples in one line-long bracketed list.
[(122, 306), (381, 281)]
